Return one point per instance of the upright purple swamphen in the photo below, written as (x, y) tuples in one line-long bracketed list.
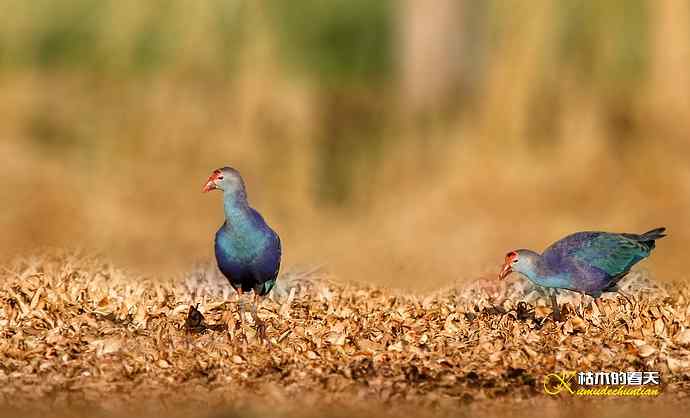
[(586, 262), (247, 249)]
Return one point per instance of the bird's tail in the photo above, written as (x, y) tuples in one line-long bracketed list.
[(647, 239), (652, 235)]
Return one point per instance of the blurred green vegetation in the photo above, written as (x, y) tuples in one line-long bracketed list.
[(344, 47), (336, 41), (339, 41), (118, 38), (346, 51), (333, 41)]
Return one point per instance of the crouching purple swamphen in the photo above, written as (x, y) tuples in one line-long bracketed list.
[(586, 262), (247, 249)]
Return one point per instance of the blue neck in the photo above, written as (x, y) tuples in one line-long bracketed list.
[(539, 274), (236, 208), (242, 235)]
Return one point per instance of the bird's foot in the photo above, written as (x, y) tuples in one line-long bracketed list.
[(241, 334), (261, 330), (239, 331), (556, 314)]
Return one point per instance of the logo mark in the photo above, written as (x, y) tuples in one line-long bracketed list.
[(556, 383)]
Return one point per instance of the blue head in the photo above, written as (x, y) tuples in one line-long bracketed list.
[(525, 262), (228, 180)]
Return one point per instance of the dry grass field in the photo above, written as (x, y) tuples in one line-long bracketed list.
[(81, 336)]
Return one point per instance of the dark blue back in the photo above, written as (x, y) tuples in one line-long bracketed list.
[(595, 260)]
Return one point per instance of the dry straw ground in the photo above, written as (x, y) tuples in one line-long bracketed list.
[(77, 331)]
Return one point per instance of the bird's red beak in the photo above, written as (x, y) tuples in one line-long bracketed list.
[(210, 183), (506, 270)]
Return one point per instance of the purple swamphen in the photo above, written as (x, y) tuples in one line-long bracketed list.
[(247, 250), (586, 262)]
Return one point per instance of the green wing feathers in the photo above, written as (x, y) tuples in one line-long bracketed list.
[(615, 253)]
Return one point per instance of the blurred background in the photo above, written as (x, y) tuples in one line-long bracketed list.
[(406, 143)]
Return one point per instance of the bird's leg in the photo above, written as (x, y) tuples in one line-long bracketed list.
[(241, 311), (581, 306), (260, 325), (554, 306), (240, 306), (598, 301)]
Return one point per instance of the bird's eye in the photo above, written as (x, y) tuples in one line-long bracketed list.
[(515, 260), (219, 178)]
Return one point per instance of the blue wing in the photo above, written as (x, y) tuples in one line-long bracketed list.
[(613, 253)]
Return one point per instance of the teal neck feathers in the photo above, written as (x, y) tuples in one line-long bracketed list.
[(540, 274), (245, 235), (237, 211)]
